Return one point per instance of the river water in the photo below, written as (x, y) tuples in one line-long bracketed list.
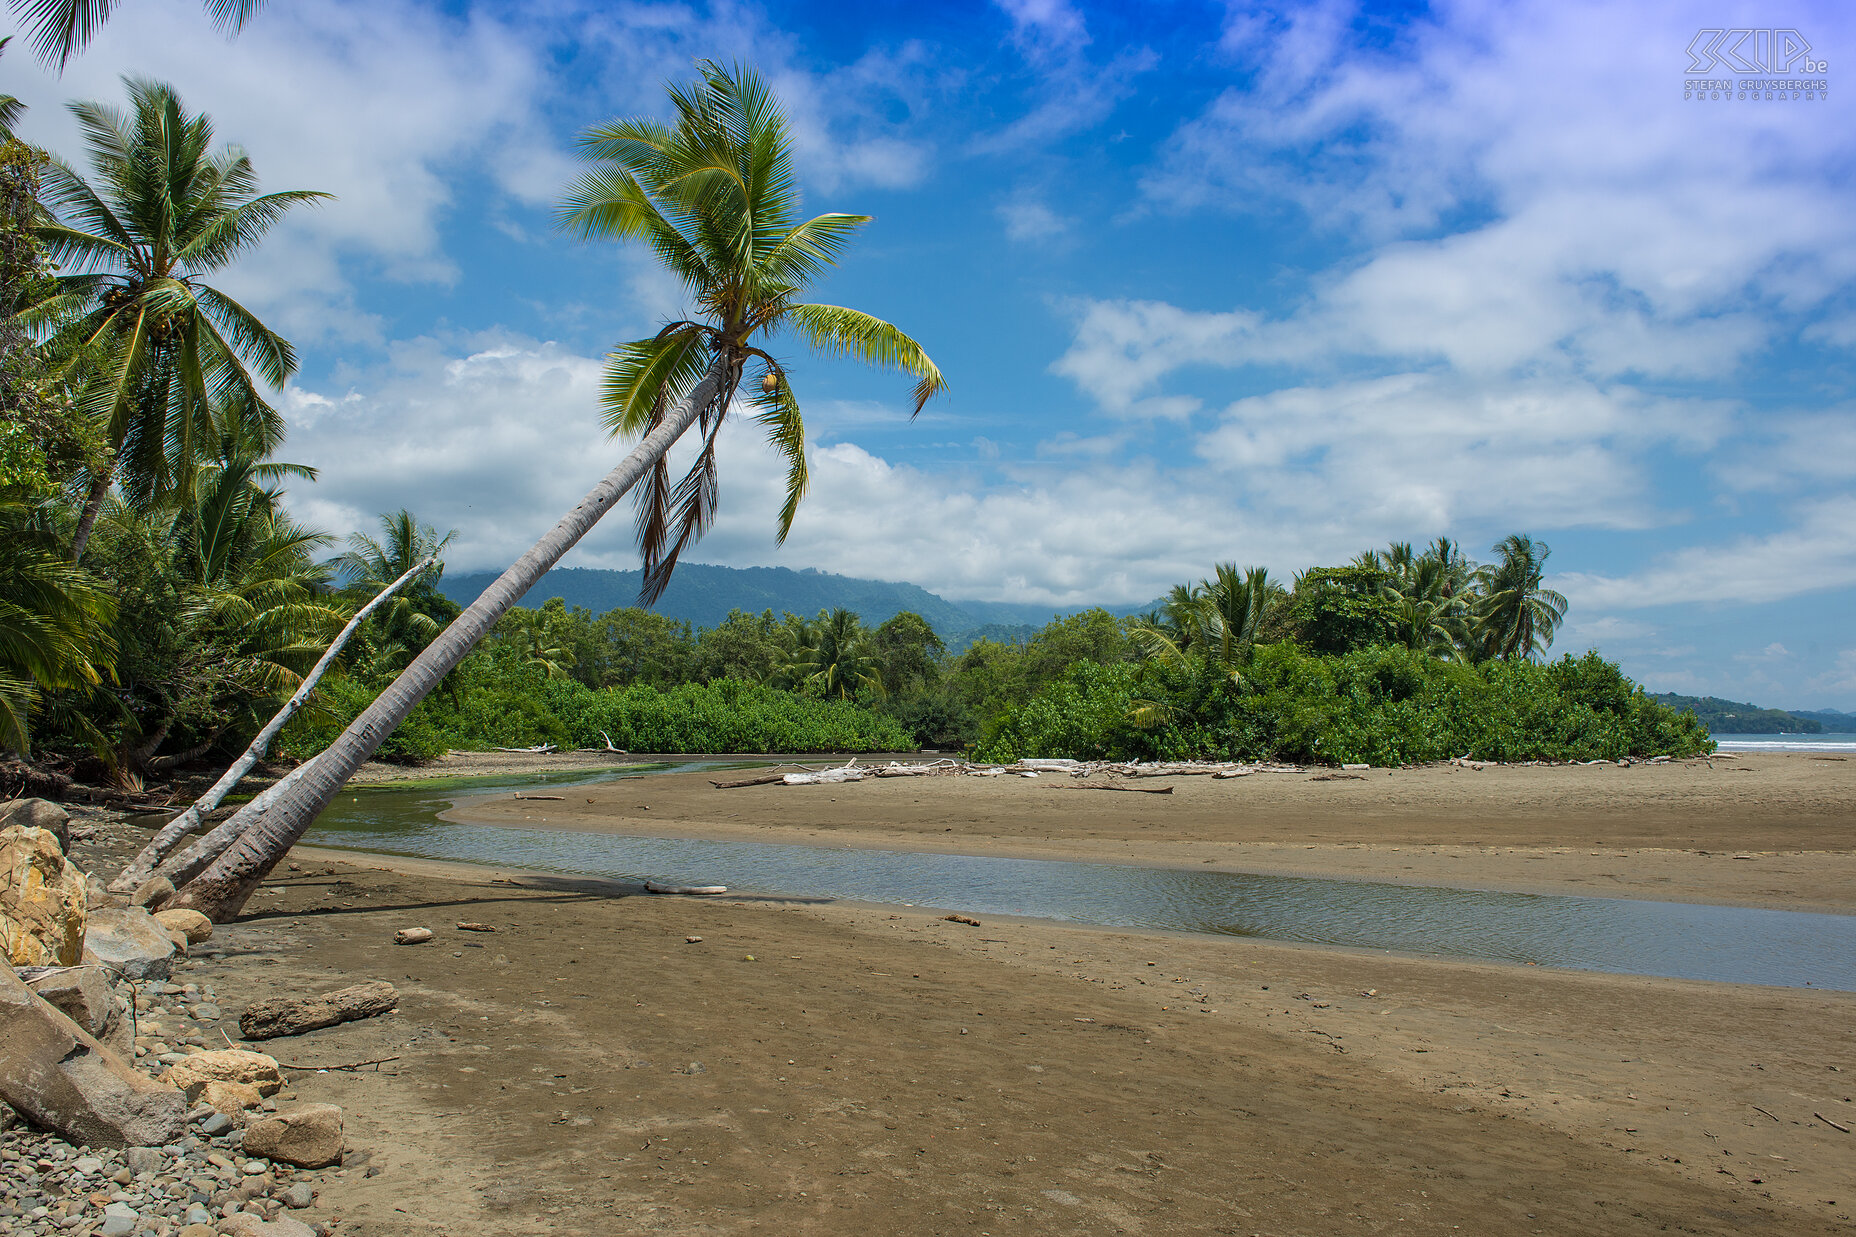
[(1681, 940)]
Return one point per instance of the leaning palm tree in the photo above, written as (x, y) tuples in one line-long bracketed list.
[(1515, 615), (153, 350), (713, 196), (62, 28)]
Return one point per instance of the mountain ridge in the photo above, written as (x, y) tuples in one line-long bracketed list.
[(702, 594)]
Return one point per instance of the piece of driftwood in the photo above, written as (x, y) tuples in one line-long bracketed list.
[(541, 798), (1138, 790), (1832, 1124), (294, 1015), (658, 887), (350, 1065), (829, 777), (759, 779), (1337, 777), (468, 926)]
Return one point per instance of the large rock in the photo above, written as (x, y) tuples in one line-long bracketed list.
[(127, 939), (39, 814), (230, 1099), (226, 1065), (191, 924), (295, 1015), (42, 904), (152, 892), (61, 1078), (84, 995), (306, 1135)]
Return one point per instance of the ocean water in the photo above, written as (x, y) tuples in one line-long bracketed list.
[(1826, 742)]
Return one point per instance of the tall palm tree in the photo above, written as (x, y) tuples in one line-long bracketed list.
[(62, 28), (252, 610), (713, 195), (835, 657), (153, 348), (1516, 615), (1216, 620)]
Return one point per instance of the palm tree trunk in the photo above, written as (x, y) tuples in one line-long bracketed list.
[(220, 892), (165, 841), (99, 487)]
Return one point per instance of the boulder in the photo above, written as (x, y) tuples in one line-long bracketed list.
[(62, 1079), (295, 1015), (227, 1065), (42, 899), (152, 892), (39, 814), (194, 925), (306, 1135), (229, 1098), (84, 995), (128, 939)]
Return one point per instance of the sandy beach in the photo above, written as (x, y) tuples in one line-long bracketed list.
[(829, 1069)]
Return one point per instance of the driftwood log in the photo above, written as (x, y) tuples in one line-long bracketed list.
[(1137, 790), (295, 1015), (759, 779)]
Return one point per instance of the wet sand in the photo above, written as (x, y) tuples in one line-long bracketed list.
[(1775, 830), (587, 1069)]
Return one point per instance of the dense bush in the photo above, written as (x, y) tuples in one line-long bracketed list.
[(524, 709), (1383, 705)]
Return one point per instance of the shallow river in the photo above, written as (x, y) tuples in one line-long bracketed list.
[(1734, 944)]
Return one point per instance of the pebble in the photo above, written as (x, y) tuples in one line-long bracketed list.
[(49, 1188)]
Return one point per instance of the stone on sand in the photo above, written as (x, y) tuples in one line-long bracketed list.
[(42, 899), (192, 923), (61, 1078), (230, 1098), (152, 892), (306, 1135), (127, 939), (82, 994), (227, 1065)]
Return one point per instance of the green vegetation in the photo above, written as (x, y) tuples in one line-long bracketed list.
[(1731, 717), (1382, 705), (157, 601)]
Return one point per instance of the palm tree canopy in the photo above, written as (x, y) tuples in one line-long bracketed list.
[(1516, 614), (715, 198), (159, 349), (62, 28)]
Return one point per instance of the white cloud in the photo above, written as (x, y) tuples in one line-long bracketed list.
[(376, 103), (1816, 554), (1589, 216), (1028, 220), (1428, 451), (1074, 93), (497, 436)]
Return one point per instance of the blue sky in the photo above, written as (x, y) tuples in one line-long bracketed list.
[(1210, 282)]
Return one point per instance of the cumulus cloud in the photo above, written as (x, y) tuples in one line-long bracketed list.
[(375, 103), (1816, 554), (1595, 220), (1428, 451), (1075, 92)]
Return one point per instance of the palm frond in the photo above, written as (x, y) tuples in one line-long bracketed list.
[(834, 330)]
